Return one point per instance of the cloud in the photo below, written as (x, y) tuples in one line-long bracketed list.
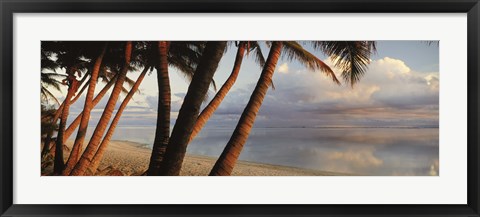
[(283, 68), (389, 94), (360, 158), (176, 103), (353, 158)]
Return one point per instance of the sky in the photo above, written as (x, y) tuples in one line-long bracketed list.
[(400, 88)]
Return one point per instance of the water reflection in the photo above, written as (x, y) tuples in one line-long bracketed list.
[(362, 151)]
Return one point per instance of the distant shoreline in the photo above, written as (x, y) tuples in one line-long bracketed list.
[(356, 127), (307, 127)]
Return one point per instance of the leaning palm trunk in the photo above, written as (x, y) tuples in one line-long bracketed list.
[(162, 132), (208, 111), (73, 126), (228, 158), (87, 108), (177, 146), (60, 108), (106, 140), (59, 164), (48, 139), (92, 146)]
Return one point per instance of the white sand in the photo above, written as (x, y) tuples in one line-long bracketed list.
[(132, 159)]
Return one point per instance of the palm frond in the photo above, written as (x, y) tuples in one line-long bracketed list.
[(429, 43), (129, 82), (214, 85), (259, 58), (185, 57), (294, 51), (50, 80), (54, 75), (46, 95), (47, 63), (351, 57), (125, 91), (178, 63), (272, 85), (129, 85), (106, 75), (84, 86)]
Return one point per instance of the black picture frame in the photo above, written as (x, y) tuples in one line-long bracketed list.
[(9, 7)]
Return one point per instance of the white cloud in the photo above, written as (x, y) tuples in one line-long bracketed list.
[(390, 93), (360, 158), (283, 68)]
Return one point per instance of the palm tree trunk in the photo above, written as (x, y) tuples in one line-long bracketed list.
[(162, 132), (177, 146), (92, 146), (106, 140), (48, 144), (60, 108), (228, 158), (87, 108), (48, 139), (59, 164), (215, 102), (73, 126)]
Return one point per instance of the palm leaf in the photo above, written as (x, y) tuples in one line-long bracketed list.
[(351, 57), (429, 43), (124, 90), (50, 80), (46, 95), (129, 82), (259, 58), (294, 51)]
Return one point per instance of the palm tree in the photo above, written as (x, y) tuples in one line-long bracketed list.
[(49, 79), (47, 127), (351, 57), (189, 110), (162, 132), (73, 126), (72, 83), (93, 144), (212, 106), (106, 140), (353, 63), (185, 57), (88, 106), (189, 53), (56, 116), (71, 54), (77, 96)]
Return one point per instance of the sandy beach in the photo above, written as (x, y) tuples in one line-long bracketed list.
[(131, 159)]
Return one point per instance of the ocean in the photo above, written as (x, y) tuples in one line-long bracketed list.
[(358, 151)]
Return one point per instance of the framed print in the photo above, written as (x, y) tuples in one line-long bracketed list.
[(347, 108)]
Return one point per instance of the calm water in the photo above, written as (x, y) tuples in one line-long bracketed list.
[(363, 151)]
